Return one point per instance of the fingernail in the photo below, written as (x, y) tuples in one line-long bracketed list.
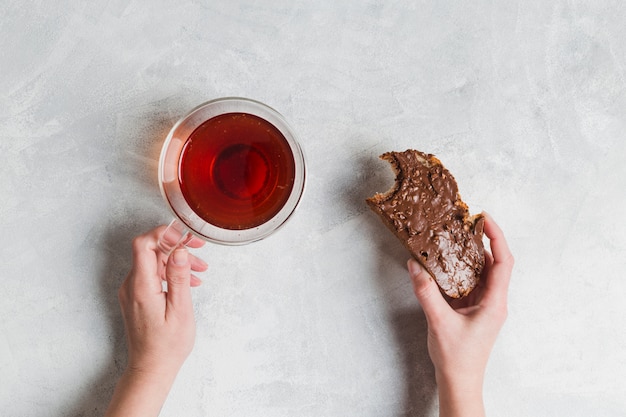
[(180, 257), (414, 267)]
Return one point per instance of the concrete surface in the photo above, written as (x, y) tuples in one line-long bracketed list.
[(524, 101)]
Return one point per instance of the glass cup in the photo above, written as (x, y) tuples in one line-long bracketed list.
[(231, 171)]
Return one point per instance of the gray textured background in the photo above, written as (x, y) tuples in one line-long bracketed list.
[(522, 100)]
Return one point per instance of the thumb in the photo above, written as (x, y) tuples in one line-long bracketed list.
[(427, 291), (178, 275)]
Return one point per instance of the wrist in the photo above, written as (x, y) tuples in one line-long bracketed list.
[(158, 378), (140, 393), (460, 395), (466, 382), (153, 366)]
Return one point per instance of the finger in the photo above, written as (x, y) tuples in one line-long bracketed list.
[(427, 292), (195, 243), (145, 275), (195, 281), (178, 276), (487, 267), (198, 264), (499, 247), (498, 265)]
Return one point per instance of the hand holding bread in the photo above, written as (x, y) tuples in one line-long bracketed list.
[(462, 332)]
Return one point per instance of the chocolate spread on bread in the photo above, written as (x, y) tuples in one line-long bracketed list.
[(424, 210)]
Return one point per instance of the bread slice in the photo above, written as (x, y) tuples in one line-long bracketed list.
[(424, 210)]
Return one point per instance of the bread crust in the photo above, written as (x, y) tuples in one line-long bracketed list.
[(424, 210)]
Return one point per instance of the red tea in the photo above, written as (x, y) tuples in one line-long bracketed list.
[(236, 171)]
